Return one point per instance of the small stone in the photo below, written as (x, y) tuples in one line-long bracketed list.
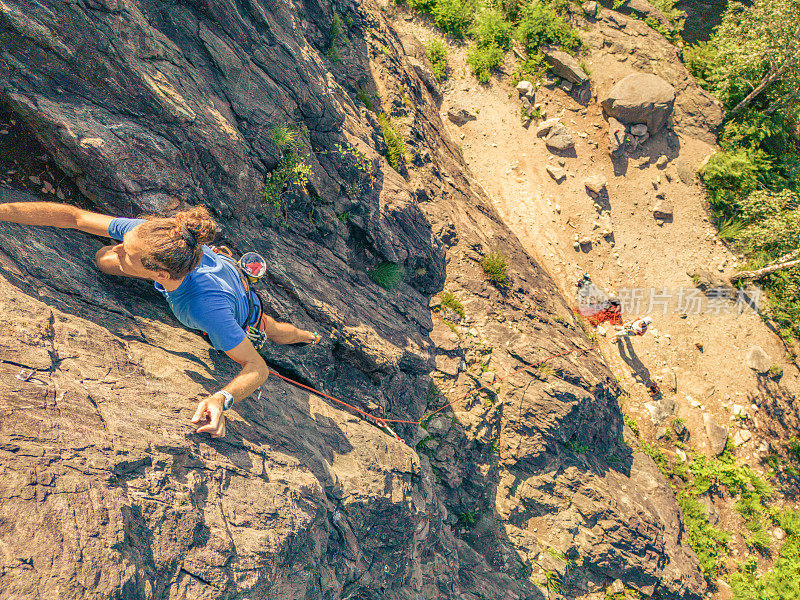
[(617, 587), (546, 126), (758, 360), (550, 80), (561, 162), (459, 115), (681, 454), (639, 130), (661, 162), (661, 433), (663, 210), (717, 434), (590, 8), (556, 173), (525, 88), (778, 533), (739, 411), (35, 180), (693, 402), (488, 377), (595, 183), (566, 85), (559, 138), (576, 245), (741, 437), (557, 208)]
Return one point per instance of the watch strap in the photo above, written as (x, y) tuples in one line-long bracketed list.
[(228, 399)]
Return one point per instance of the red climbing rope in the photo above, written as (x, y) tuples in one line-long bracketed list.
[(384, 422)]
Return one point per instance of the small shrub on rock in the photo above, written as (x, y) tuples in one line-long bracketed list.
[(495, 265), (436, 52), (395, 145)]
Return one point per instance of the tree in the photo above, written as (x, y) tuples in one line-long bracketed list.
[(772, 232), (754, 53)]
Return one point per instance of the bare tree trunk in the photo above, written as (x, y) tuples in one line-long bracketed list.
[(784, 262)]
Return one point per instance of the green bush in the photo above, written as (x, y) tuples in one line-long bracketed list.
[(708, 542), (483, 59), (423, 6), (495, 265), (395, 146), (436, 52), (387, 275), (491, 27), (454, 16), (541, 25), (729, 176), (783, 580)]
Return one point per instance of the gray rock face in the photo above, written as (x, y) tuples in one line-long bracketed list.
[(758, 360), (717, 434), (178, 102), (565, 66), (460, 115), (641, 98)]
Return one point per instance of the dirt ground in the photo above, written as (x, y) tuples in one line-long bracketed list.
[(704, 348)]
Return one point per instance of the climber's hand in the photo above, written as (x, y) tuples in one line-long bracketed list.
[(209, 416)]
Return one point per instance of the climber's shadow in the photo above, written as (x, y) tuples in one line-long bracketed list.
[(640, 372)]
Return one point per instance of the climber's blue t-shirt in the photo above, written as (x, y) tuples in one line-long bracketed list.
[(211, 298)]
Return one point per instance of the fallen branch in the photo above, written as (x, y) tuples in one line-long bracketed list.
[(784, 262)]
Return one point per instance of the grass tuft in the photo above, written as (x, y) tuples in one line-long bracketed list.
[(387, 275)]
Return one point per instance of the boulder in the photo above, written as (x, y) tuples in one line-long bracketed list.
[(616, 137), (556, 173), (758, 360), (563, 65), (560, 139), (641, 98), (590, 9), (717, 434), (595, 183), (460, 115)]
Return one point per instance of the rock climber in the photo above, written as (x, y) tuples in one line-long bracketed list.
[(205, 291), (638, 327)]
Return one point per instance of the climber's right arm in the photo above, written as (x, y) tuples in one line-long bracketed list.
[(55, 214)]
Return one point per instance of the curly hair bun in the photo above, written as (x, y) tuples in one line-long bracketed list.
[(197, 223)]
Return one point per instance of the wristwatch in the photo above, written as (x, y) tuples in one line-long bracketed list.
[(228, 399)]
